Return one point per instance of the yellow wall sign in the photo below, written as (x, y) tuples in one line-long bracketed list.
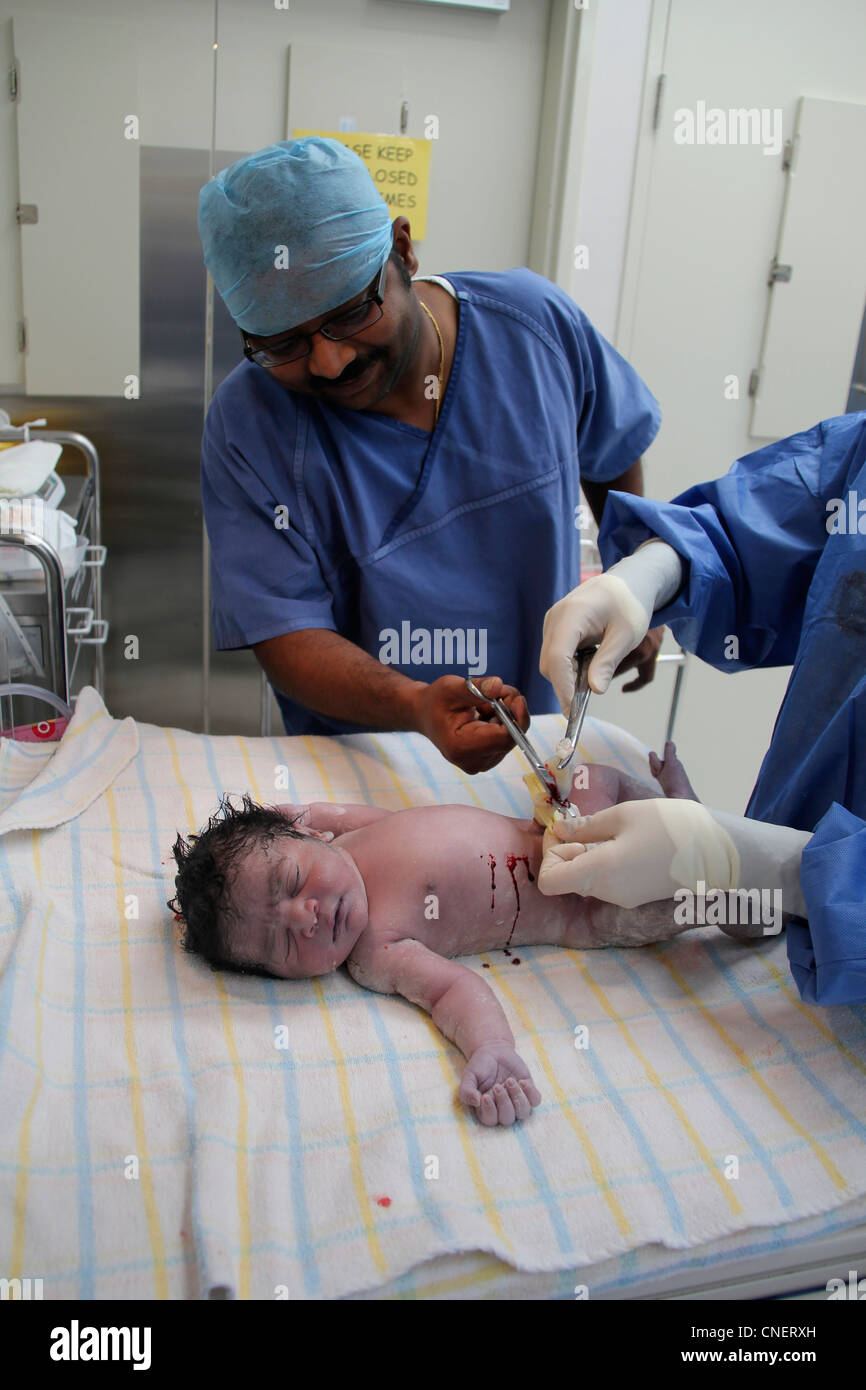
[(399, 167)]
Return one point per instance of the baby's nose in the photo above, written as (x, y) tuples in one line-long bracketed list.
[(309, 911)]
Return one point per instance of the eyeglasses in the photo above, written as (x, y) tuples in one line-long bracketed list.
[(346, 325)]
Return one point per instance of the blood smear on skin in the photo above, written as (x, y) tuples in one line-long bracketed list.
[(511, 862)]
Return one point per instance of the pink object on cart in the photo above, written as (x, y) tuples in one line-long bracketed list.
[(45, 731)]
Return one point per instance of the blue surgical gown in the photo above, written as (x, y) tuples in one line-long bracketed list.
[(775, 554), (470, 529)]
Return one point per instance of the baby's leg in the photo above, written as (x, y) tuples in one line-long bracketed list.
[(671, 775), (590, 924), (594, 924), (597, 786)]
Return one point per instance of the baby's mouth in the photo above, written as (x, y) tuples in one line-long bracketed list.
[(336, 920)]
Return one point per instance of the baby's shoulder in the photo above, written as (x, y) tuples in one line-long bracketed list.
[(377, 960), (369, 964), (369, 970)]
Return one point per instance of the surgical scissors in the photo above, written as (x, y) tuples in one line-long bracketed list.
[(539, 767)]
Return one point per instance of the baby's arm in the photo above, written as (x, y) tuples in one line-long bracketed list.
[(495, 1081), (324, 816)]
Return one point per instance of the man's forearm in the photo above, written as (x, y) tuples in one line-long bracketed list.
[(596, 493), (326, 673)]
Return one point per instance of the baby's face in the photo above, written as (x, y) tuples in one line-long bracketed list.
[(302, 905)]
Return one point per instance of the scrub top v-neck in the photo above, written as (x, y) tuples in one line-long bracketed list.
[(433, 435), (424, 548)]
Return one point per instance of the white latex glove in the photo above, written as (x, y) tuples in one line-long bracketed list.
[(614, 609), (643, 851)]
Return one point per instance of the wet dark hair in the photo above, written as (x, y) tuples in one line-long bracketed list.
[(207, 867)]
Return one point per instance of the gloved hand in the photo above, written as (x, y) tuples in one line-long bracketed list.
[(614, 609), (642, 851)]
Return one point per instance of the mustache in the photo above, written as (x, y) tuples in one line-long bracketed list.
[(324, 383)]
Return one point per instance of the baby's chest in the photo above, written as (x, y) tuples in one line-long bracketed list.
[(433, 907)]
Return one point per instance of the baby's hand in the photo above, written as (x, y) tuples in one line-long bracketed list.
[(301, 817), (497, 1083)]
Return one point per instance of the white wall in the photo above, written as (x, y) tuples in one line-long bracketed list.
[(621, 35), (694, 307), (481, 74)]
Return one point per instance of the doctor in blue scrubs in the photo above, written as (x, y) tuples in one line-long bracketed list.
[(391, 478), (765, 567)]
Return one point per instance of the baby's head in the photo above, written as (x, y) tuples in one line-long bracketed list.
[(259, 895)]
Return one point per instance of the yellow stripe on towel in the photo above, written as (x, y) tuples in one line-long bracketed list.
[(154, 1227), (325, 779), (243, 1183), (488, 1201), (361, 1195), (251, 776), (823, 1158), (784, 982), (20, 1226), (658, 1084), (565, 1106), (407, 802), (175, 765)]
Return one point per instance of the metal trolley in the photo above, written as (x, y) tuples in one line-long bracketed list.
[(64, 615)]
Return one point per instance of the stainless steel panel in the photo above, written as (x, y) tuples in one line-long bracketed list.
[(149, 451)]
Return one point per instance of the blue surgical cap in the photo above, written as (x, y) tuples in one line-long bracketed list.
[(313, 196)]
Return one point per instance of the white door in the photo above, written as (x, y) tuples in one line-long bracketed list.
[(704, 227), (819, 273), (78, 176)]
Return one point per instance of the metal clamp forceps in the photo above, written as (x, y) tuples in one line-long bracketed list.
[(581, 662), (539, 767)]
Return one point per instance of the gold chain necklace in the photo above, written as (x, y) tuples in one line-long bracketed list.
[(441, 359)]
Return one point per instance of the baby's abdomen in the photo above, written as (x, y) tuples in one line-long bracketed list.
[(484, 881), (447, 876)]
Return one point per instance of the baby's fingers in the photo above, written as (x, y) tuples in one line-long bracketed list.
[(531, 1091), (504, 1107), (487, 1110), (519, 1094), (469, 1093)]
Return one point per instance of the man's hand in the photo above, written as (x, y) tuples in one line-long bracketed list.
[(497, 1083), (465, 729), (643, 658)]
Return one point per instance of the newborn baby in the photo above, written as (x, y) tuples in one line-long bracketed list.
[(296, 891)]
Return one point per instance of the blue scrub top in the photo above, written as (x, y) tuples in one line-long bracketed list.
[(775, 554), (394, 531)]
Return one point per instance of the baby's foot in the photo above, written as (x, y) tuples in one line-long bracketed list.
[(671, 775)]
